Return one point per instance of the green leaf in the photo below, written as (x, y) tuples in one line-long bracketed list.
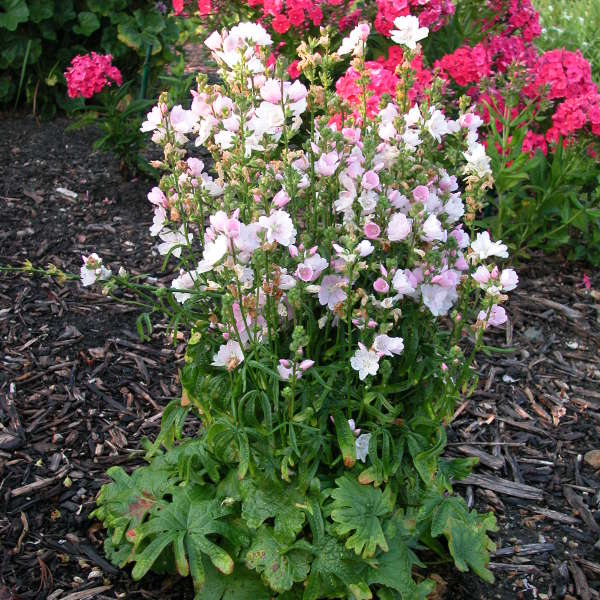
[(186, 522), (125, 503), (242, 584), (345, 439), (332, 571), (40, 10), (393, 569), (12, 13), (357, 508), (280, 565), (426, 460), (88, 23), (466, 533), (268, 499)]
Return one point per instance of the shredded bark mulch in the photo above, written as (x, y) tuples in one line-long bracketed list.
[(79, 392)]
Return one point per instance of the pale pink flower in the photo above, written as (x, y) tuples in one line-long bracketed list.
[(432, 230), (281, 199), (156, 196), (230, 355), (370, 180), (354, 43), (184, 282), (365, 248), (509, 279), (399, 227), (331, 290), (279, 228), (404, 282), (497, 316), (182, 120), (481, 275), (195, 166), (388, 346), (421, 193), (153, 120), (327, 164), (173, 241)]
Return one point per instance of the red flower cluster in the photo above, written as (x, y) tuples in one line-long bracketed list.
[(513, 17), (89, 74), (383, 80), (205, 7), (465, 65), (574, 114), (565, 74), (284, 15), (432, 13)]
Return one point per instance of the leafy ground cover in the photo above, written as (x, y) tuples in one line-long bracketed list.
[(78, 392)]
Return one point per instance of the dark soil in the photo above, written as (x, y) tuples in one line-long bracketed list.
[(79, 391)]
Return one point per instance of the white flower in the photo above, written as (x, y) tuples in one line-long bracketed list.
[(174, 240), (484, 247), (280, 227), (408, 31), (267, 119), (184, 282), (388, 346), (437, 124), (92, 270), (404, 283), (413, 116), (362, 446), (365, 361), (365, 248), (230, 355), (158, 221), (439, 300), (225, 139), (214, 251), (153, 120), (252, 33), (478, 162), (182, 120), (355, 41)]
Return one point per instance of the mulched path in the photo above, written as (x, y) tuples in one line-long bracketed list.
[(79, 391)]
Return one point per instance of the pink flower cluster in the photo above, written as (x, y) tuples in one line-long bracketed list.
[(432, 13), (89, 74), (356, 228), (555, 76)]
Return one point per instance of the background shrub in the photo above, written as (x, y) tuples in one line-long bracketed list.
[(38, 38)]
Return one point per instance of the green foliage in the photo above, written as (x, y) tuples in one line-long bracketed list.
[(542, 202), (56, 30), (118, 114), (314, 530)]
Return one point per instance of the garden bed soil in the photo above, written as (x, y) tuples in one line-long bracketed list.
[(79, 392)]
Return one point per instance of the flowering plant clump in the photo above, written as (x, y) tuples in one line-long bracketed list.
[(89, 74), (336, 297)]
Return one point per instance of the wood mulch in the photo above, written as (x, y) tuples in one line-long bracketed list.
[(79, 392)]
